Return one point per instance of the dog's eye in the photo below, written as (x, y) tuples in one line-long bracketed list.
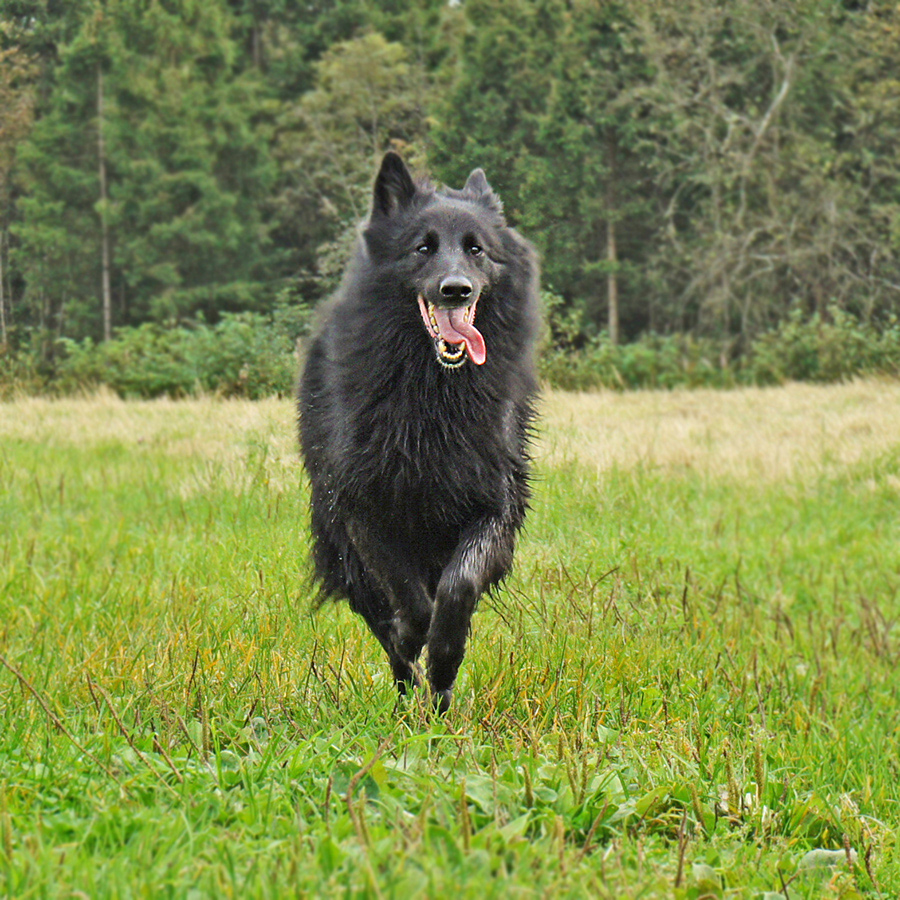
[(475, 250), (424, 249)]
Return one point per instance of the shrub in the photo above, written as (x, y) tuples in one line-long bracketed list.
[(252, 355), (654, 361), (813, 349), (19, 374), (817, 349), (243, 355)]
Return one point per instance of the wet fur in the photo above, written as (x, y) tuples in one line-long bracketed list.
[(419, 474)]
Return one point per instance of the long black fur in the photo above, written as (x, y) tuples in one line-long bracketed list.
[(419, 473)]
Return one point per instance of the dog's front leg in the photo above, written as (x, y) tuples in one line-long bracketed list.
[(392, 570), (482, 559)]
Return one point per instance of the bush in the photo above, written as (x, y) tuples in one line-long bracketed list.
[(654, 361), (252, 355), (823, 350), (147, 361), (815, 349), (246, 358), (19, 374), (243, 355)]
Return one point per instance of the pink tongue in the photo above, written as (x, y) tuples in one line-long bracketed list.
[(456, 330)]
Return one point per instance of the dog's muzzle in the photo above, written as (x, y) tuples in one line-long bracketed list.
[(454, 334)]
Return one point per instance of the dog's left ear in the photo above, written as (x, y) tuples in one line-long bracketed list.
[(394, 187), (478, 189)]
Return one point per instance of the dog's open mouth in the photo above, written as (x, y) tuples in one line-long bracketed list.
[(454, 334)]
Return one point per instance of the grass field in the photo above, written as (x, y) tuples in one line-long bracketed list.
[(689, 688)]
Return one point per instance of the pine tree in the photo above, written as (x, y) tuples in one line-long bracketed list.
[(587, 184), (493, 92), (540, 97), (181, 140)]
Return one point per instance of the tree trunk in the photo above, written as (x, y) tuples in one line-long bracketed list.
[(612, 255), (612, 283), (104, 227), (4, 338), (256, 41)]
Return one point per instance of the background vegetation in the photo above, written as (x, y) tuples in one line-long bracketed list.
[(688, 690), (697, 175)]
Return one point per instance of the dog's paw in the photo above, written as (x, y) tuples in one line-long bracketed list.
[(440, 700)]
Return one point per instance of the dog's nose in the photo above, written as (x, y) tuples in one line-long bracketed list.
[(456, 288)]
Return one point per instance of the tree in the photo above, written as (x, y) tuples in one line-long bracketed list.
[(181, 139), (285, 40), (542, 97), (706, 167), (751, 103), (867, 137), (366, 100), (493, 92), (38, 28), (193, 165), (586, 185), (58, 228)]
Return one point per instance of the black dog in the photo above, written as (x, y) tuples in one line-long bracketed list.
[(415, 410)]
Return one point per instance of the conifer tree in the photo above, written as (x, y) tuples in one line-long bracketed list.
[(541, 98), (147, 99)]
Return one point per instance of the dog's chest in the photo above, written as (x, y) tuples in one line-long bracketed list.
[(436, 455)]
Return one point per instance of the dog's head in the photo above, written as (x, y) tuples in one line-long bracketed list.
[(446, 247)]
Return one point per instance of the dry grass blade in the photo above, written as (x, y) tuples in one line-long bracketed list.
[(56, 720), (128, 737), (355, 780)]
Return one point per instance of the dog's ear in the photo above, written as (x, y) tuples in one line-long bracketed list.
[(478, 189), (394, 187)]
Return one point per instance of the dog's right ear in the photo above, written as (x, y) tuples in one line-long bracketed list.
[(394, 187), (480, 191)]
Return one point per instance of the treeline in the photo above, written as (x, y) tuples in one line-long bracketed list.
[(703, 173)]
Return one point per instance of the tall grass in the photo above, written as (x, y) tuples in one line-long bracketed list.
[(687, 690)]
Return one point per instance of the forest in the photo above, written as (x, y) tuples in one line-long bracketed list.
[(707, 173)]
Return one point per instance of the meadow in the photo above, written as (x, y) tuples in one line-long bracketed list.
[(687, 689)]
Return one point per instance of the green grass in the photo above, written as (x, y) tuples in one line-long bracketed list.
[(688, 688)]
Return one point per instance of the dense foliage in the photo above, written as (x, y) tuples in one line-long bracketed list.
[(255, 355), (698, 175)]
